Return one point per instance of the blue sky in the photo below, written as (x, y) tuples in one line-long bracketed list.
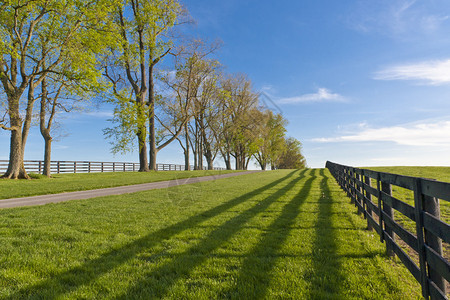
[(363, 83)]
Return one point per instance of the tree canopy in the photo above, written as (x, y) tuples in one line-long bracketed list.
[(63, 51)]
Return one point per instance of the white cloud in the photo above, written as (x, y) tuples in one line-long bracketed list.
[(101, 114), (400, 18), (60, 147), (433, 22), (322, 95), (429, 72), (417, 134)]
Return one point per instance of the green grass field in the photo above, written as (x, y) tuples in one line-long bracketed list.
[(60, 183), (438, 173), (279, 234)]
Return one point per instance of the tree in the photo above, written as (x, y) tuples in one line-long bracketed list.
[(191, 88), (292, 157), (37, 36), (165, 14), (203, 110), (142, 25), (237, 102), (271, 138), (61, 93)]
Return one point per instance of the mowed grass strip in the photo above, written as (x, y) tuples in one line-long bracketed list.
[(405, 195), (59, 183), (436, 173), (278, 234)]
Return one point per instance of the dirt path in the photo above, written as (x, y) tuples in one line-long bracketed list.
[(55, 198)]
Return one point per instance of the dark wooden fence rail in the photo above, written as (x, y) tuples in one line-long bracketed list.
[(37, 166), (433, 269)]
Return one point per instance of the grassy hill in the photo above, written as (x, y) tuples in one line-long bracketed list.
[(438, 173), (280, 234), (60, 183)]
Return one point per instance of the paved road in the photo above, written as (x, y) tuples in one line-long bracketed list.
[(55, 198)]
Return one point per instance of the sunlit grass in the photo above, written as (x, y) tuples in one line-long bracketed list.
[(405, 195), (279, 234), (41, 185)]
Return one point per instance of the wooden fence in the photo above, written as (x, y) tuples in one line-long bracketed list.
[(378, 206), (56, 167)]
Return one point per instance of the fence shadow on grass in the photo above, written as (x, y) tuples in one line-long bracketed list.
[(69, 280), (255, 275), (326, 277), (159, 281)]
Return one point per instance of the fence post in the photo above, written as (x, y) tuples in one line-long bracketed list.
[(357, 196), (380, 215), (89, 167), (347, 183), (124, 167), (369, 198), (114, 166), (431, 206), (353, 188), (418, 202), (39, 172), (387, 189)]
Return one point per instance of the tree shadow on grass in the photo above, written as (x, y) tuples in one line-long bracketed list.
[(255, 275), (73, 278), (159, 281), (326, 277)]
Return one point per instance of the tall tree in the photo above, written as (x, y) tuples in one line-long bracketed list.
[(25, 26), (129, 93), (292, 157), (238, 100), (62, 93), (270, 140), (188, 92), (142, 25), (164, 15)]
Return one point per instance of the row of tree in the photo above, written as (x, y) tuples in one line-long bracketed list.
[(58, 53)]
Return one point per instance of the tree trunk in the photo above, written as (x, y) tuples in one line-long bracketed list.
[(45, 131), (28, 115), (207, 148), (143, 161), (263, 164), (187, 166), (227, 160), (16, 169), (246, 163), (228, 164), (141, 135), (47, 156), (209, 159), (200, 147), (151, 117)]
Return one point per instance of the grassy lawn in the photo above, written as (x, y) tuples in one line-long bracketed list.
[(60, 183), (438, 173), (280, 234)]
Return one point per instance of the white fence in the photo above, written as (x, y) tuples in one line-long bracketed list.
[(56, 167)]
